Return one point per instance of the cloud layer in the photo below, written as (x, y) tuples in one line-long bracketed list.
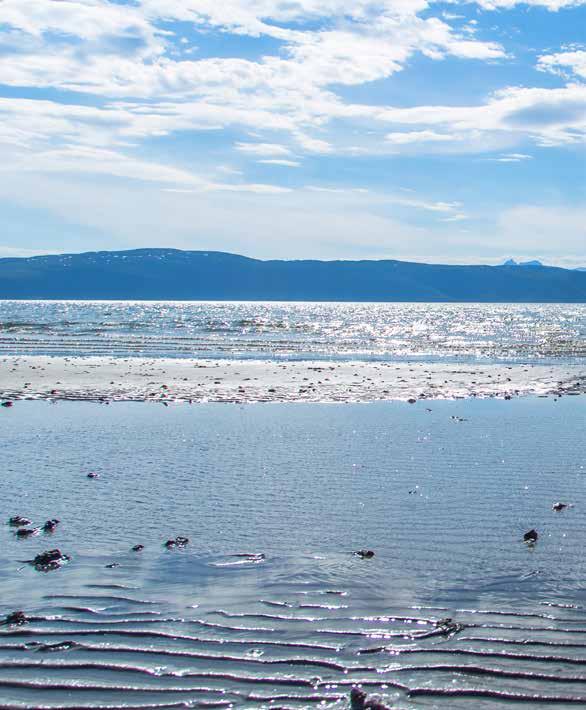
[(108, 80)]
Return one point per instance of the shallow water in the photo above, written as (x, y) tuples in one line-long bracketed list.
[(443, 503), (433, 332)]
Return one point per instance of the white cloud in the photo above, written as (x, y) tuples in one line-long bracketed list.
[(564, 63), (253, 187), (283, 163), (337, 190), (126, 55), (262, 149), (551, 117), (427, 205), (455, 218), (89, 160), (391, 199), (553, 5), (417, 137), (8, 252), (85, 19), (258, 188), (313, 145), (511, 158), (554, 229)]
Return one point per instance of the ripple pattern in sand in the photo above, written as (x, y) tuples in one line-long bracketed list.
[(106, 651)]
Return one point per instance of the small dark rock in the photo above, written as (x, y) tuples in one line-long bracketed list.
[(27, 532), (357, 699), (412, 400), (448, 627), (16, 618), (177, 542), (49, 560), (531, 536), (364, 554), (50, 647), (18, 521)]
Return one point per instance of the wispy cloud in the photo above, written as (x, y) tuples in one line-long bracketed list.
[(283, 163), (262, 148), (455, 218), (511, 158)]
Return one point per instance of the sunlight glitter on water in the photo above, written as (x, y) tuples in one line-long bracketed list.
[(528, 332)]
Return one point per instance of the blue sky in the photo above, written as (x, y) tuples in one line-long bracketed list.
[(412, 129)]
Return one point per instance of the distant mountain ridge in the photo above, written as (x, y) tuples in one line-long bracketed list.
[(512, 262), (172, 274)]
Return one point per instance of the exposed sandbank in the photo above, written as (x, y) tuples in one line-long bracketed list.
[(170, 380)]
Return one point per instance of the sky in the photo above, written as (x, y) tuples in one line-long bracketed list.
[(439, 131)]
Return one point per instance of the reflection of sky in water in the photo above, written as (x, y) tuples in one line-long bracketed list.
[(306, 485), (304, 330), (298, 479)]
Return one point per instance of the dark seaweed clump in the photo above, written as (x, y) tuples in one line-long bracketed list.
[(49, 560)]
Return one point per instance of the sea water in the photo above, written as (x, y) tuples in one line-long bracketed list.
[(379, 331), (442, 492)]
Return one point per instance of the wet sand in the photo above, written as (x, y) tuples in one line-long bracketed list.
[(180, 380)]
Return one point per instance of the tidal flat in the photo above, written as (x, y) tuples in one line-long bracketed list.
[(173, 380), (267, 606)]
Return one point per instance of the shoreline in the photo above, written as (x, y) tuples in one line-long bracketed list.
[(248, 381)]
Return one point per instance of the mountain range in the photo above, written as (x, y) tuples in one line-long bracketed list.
[(172, 274)]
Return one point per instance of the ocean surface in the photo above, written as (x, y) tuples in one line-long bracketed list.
[(442, 492), (342, 331)]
